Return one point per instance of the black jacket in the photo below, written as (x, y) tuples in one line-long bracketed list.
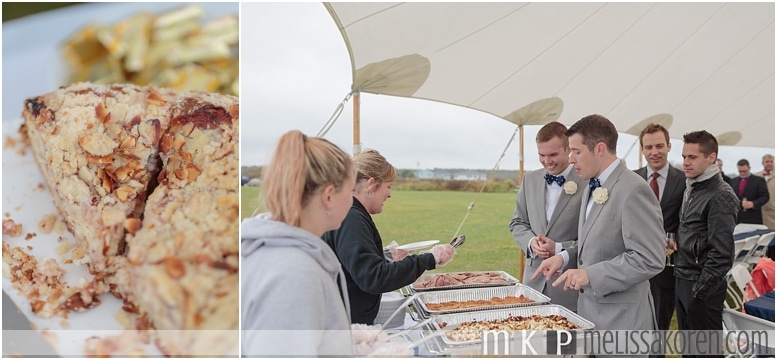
[(755, 191), (359, 247), (706, 235)]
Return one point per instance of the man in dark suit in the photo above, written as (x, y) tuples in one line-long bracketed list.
[(668, 184), (752, 193)]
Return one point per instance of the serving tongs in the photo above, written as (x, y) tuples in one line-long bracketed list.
[(458, 241)]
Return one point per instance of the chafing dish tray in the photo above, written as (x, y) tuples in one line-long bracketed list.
[(464, 337), (462, 280), (482, 295)]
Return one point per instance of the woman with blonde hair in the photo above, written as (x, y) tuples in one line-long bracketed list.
[(293, 291), (360, 248)]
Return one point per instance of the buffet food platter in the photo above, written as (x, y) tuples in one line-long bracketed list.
[(477, 299), (541, 317), (462, 280)]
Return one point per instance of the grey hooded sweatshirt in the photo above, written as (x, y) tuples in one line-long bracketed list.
[(291, 298)]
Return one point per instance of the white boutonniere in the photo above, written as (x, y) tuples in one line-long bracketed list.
[(600, 195), (570, 187)]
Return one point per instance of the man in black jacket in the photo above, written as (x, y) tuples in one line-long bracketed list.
[(753, 188), (668, 183), (705, 237)]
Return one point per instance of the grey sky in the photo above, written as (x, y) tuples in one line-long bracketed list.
[(295, 71)]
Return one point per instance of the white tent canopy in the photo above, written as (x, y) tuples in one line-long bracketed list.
[(703, 65)]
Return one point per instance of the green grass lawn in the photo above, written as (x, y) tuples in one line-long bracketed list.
[(410, 216)]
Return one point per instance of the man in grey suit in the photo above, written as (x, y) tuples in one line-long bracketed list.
[(547, 210), (620, 243), (668, 184)]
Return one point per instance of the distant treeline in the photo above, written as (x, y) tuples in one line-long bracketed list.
[(499, 181)]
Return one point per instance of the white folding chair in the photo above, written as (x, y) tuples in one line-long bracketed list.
[(734, 320), (746, 247), (742, 228), (759, 250), (742, 278)]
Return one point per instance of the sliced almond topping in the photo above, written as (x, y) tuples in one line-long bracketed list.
[(175, 267), (99, 160), (128, 143), (186, 156), (97, 144), (122, 173), (167, 143), (102, 114), (180, 174), (123, 192), (154, 98), (187, 128), (56, 130), (178, 142), (132, 225), (137, 173), (128, 155), (234, 111), (192, 172), (157, 131)]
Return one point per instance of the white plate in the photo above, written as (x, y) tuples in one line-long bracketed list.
[(418, 245), (32, 66)]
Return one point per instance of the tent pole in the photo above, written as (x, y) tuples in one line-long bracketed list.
[(356, 122), (520, 156)]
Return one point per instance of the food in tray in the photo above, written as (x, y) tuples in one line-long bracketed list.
[(495, 301), (171, 49), (461, 278), (471, 330), (146, 180)]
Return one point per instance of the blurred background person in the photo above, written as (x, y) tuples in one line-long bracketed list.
[(290, 278), (668, 185), (767, 211), (359, 247), (726, 179), (752, 192), (547, 211)]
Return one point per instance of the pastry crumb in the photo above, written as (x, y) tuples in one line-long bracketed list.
[(30, 236), (11, 228), (46, 225)]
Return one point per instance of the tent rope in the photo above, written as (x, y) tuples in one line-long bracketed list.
[(494, 169), (334, 117)]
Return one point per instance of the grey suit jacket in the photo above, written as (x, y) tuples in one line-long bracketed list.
[(529, 220), (621, 246)]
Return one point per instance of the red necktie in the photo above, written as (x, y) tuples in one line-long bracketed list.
[(654, 184)]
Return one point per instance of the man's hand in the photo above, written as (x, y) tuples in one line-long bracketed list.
[(573, 279), (543, 247), (549, 266)]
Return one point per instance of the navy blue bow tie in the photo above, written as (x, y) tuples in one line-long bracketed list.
[(593, 183), (558, 179)]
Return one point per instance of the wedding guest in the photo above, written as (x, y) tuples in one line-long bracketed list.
[(668, 185), (547, 210), (359, 247), (752, 193), (705, 237), (767, 211), (293, 292), (722, 174), (620, 242)]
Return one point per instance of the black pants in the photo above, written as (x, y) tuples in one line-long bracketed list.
[(663, 289), (696, 314)]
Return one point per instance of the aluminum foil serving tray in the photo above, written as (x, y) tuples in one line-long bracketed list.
[(453, 320), (461, 295), (455, 280)]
